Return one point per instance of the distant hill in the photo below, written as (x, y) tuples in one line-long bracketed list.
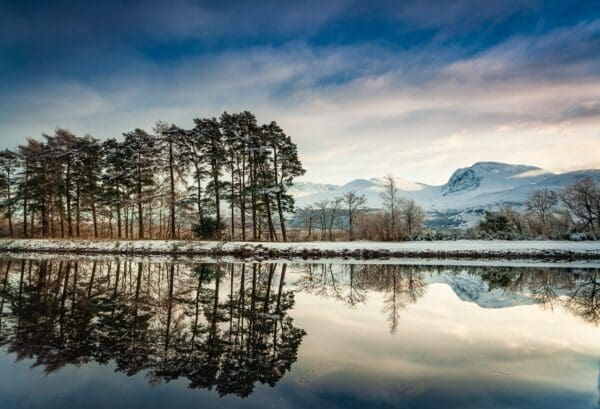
[(462, 200)]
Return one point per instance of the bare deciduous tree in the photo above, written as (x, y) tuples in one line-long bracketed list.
[(391, 202), (354, 204), (412, 214), (308, 215), (323, 207), (582, 198), (542, 203), (334, 213)]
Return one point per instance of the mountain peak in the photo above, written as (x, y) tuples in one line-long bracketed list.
[(358, 184), (491, 173), (504, 168)]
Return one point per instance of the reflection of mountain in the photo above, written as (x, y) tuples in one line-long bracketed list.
[(473, 288), (222, 329)]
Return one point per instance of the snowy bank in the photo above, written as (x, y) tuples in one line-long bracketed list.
[(460, 249)]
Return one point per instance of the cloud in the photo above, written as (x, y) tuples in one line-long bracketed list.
[(360, 110), (458, 14)]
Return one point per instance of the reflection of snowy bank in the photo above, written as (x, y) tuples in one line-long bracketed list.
[(462, 249)]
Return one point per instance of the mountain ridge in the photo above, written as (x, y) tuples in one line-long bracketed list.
[(463, 199)]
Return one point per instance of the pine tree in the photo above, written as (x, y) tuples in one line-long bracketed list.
[(192, 156), (90, 155), (285, 166), (248, 130), (66, 144), (37, 187), (142, 155), (170, 146), (232, 140), (8, 166), (115, 179), (211, 140)]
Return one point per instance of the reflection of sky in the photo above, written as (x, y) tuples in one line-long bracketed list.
[(446, 353), (445, 346)]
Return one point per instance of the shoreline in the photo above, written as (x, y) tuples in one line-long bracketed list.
[(358, 250)]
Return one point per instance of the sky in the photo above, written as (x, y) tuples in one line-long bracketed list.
[(365, 88)]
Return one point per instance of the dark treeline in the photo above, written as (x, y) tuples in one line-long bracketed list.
[(225, 178), (223, 328)]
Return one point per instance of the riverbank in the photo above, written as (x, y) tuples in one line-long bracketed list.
[(459, 249)]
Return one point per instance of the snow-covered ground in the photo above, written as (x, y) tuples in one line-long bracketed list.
[(356, 249)]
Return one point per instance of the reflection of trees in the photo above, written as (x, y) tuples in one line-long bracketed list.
[(405, 288), (584, 300), (576, 290), (401, 285), (219, 329)]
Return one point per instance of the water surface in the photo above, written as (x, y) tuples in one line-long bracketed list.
[(129, 333)]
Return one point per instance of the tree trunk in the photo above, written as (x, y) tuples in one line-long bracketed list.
[(119, 220), (131, 224), (110, 223), (231, 200), (199, 194), (25, 233), (172, 181), (126, 222), (272, 232), (50, 216), (77, 212), (350, 233), (68, 193), (281, 218), (150, 215), (140, 209), (10, 223), (253, 187), (61, 215), (243, 197), (217, 233), (94, 218), (44, 217)]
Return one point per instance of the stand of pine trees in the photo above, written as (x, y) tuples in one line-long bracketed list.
[(226, 178)]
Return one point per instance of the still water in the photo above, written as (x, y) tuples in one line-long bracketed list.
[(128, 333)]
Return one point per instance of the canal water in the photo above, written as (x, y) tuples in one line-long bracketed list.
[(105, 332)]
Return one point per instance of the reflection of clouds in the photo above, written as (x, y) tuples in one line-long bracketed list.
[(442, 336), (470, 344)]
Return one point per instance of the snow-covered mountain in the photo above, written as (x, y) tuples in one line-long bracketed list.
[(463, 199), (303, 189)]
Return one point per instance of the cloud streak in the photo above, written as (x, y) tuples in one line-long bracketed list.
[(357, 108)]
